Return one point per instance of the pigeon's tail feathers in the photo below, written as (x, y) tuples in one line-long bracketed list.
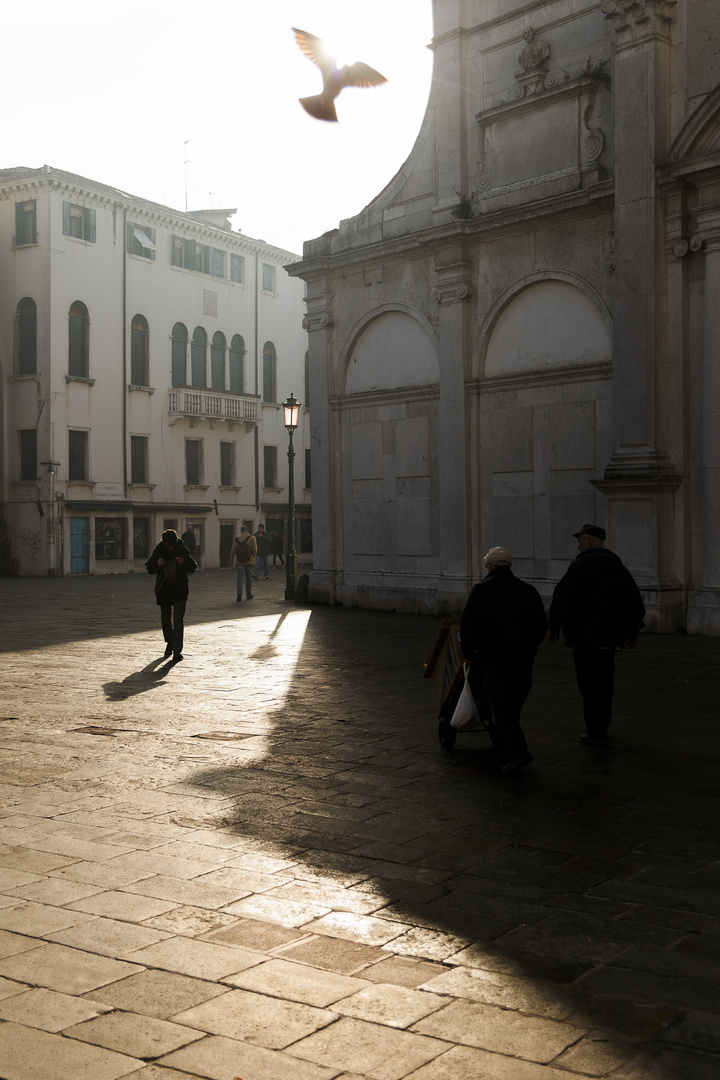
[(361, 75), (318, 107)]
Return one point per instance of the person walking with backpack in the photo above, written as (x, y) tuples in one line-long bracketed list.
[(171, 562), (244, 553)]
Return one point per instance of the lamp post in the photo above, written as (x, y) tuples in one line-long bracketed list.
[(291, 416)]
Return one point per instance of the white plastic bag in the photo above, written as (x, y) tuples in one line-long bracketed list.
[(466, 714)]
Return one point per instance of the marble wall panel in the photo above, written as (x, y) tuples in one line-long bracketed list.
[(366, 448)]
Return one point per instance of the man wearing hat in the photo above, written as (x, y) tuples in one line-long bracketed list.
[(599, 608), (501, 628)]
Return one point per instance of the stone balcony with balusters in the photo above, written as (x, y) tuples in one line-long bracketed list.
[(214, 406)]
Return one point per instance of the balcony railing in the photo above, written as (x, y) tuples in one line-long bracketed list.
[(212, 405)]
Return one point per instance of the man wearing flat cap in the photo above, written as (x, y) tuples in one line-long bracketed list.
[(599, 608), (501, 628)]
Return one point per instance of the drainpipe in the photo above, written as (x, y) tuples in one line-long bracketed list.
[(257, 384), (124, 359)]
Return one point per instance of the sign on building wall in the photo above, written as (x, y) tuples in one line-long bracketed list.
[(109, 491)]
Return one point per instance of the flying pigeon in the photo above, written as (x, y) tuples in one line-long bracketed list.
[(322, 106)]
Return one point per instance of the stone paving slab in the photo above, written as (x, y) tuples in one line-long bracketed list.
[(260, 863)]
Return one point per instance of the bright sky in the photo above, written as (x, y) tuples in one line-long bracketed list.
[(112, 91)]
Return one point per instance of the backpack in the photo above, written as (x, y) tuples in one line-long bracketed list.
[(242, 550)]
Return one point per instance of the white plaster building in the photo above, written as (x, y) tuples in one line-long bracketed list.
[(521, 333), (144, 353)]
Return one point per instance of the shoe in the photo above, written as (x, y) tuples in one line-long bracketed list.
[(588, 741), (238, 599), (249, 597), (168, 651), (255, 576), (267, 577), (177, 657), (516, 764)]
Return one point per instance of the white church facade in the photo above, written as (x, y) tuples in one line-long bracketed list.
[(144, 355), (521, 333)]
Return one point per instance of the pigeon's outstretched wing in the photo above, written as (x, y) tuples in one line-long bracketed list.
[(360, 74), (314, 48)]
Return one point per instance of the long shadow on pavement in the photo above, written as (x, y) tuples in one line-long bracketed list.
[(583, 895)]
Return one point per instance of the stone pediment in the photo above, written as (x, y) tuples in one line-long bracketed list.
[(701, 134), (541, 143)]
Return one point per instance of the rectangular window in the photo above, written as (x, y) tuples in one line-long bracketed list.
[(26, 222), (308, 470), (268, 278), (78, 455), (237, 269), (79, 221), (109, 538), (141, 538), (139, 459), (270, 469), (141, 240), (202, 258), (28, 454), (193, 462), (227, 464)]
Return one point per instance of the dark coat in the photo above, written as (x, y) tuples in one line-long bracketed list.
[(169, 592), (504, 620), (263, 543), (597, 603)]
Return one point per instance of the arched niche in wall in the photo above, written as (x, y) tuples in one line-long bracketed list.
[(391, 351), (548, 323)]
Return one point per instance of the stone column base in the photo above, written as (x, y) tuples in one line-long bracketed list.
[(703, 612)]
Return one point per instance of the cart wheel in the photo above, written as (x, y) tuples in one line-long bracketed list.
[(446, 734)]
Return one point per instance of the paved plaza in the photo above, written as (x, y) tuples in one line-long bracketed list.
[(260, 863)]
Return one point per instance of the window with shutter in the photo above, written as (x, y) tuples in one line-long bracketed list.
[(139, 351), (79, 222), (270, 466), (78, 331), (217, 361), (269, 372), (193, 462), (179, 355), (227, 464), (237, 269), (25, 222), (77, 455), (28, 454), (139, 459), (236, 365)]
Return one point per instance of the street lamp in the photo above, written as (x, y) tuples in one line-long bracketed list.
[(291, 416)]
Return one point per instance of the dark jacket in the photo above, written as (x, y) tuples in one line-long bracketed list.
[(276, 544), (263, 543), (596, 603), (504, 620), (167, 591)]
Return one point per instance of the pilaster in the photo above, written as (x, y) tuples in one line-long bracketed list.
[(450, 299)]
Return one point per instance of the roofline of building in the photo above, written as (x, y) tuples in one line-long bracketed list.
[(48, 174)]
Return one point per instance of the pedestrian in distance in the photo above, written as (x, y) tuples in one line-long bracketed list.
[(277, 549), (599, 609), (189, 540), (501, 628), (244, 553), (263, 551), (171, 562)]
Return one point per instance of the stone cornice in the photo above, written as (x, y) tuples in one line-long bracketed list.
[(636, 21), (510, 221), (384, 397), (524, 379)]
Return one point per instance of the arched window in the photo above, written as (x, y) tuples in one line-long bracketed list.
[(78, 341), (140, 351), (269, 372), (217, 361), (179, 354), (306, 402), (198, 358), (26, 337), (237, 365)]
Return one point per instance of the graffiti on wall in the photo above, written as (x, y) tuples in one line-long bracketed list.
[(31, 543)]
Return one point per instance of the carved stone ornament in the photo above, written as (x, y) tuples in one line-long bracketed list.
[(680, 248), (637, 19), (536, 53), (696, 243), (317, 321), (451, 293)]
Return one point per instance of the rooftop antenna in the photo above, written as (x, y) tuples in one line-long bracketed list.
[(185, 164)]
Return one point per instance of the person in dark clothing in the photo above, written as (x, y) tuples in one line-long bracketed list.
[(277, 549), (501, 628), (263, 550), (599, 608), (189, 540), (171, 562)]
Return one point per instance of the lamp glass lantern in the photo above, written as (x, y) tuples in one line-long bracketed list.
[(291, 419)]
